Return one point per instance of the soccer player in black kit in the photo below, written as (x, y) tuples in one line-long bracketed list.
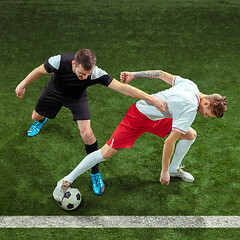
[(72, 74)]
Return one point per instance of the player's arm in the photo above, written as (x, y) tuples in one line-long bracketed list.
[(137, 93), (129, 76), (31, 77), (168, 149)]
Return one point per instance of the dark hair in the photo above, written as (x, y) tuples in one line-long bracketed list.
[(218, 104), (86, 58)]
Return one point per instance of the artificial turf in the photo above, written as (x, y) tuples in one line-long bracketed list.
[(197, 39)]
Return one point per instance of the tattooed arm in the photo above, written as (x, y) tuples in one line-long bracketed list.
[(129, 76)]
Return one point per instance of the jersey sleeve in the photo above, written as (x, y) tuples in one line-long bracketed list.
[(183, 121), (52, 64), (101, 76), (179, 80)]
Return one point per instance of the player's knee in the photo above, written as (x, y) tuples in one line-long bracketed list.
[(107, 151), (193, 135), (107, 155), (190, 135), (87, 136), (36, 116)]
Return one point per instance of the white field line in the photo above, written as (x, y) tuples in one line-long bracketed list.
[(119, 221)]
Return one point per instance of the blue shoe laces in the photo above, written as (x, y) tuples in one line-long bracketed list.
[(97, 180), (36, 125)]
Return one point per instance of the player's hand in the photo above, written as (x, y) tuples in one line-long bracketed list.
[(160, 104), (165, 177), (20, 91), (126, 77)]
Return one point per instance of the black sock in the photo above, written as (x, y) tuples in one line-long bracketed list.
[(89, 149), (42, 120)]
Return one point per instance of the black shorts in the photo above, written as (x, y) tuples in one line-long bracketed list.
[(50, 103)]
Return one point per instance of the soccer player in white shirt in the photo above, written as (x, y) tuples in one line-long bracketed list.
[(71, 75), (183, 100)]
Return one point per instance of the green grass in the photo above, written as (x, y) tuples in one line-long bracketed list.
[(129, 234), (197, 39)]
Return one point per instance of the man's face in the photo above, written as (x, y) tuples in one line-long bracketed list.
[(81, 73)]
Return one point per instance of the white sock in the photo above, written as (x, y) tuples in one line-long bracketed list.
[(88, 162), (180, 151)]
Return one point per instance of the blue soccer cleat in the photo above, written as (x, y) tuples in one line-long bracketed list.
[(36, 127), (98, 184)]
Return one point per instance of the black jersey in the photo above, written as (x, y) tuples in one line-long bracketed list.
[(66, 82)]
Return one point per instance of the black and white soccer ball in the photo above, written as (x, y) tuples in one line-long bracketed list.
[(71, 200)]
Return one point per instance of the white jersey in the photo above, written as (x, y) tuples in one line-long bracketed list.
[(182, 104)]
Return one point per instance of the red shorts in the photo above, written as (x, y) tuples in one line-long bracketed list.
[(133, 125)]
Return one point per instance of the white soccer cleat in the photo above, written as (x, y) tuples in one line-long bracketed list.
[(60, 190), (185, 176)]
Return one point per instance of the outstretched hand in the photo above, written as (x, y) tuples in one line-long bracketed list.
[(126, 77)]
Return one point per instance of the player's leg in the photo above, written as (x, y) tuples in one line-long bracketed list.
[(124, 136), (36, 116), (91, 146), (81, 114), (48, 105), (182, 147), (88, 162), (39, 121), (86, 132), (162, 128)]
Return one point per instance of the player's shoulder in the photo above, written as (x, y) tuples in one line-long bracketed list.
[(98, 73), (66, 57), (60, 59), (180, 80)]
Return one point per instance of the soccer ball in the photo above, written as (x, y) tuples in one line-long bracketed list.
[(71, 200)]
